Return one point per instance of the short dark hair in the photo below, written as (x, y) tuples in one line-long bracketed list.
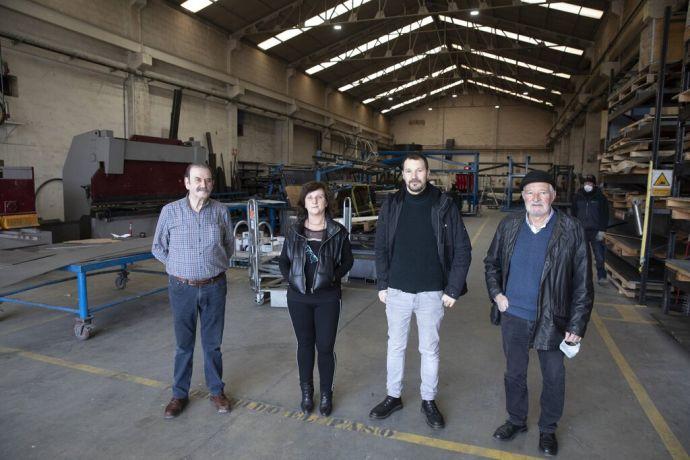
[(306, 190), (415, 156), (188, 171)]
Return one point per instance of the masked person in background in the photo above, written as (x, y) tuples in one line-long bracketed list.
[(591, 208)]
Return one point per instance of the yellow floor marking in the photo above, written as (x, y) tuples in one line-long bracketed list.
[(260, 407), (85, 368), (629, 314), (631, 321), (479, 232), (624, 305), (33, 324), (673, 445)]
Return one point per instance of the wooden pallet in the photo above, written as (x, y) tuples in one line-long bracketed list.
[(631, 288)]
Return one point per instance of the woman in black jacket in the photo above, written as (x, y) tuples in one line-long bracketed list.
[(315, 256)]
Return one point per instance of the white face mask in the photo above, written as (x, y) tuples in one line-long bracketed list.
[(588, 188)]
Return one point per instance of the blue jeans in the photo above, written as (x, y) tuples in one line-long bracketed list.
[(517, 335), (208, 303)]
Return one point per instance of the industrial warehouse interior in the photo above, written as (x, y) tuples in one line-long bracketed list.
[(341, 229)]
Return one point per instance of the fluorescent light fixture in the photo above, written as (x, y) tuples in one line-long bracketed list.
[(196, 5), (337, 27), (409, 84), (361, 49), (513, 62), (314, 21), (568, 8), (390, 69), (511, 35), (390, 98), (455, 95), (474, 13), (430, 109), (525, 93), (497, 107)]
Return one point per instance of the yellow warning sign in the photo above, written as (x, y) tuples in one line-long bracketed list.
[(661, 182)]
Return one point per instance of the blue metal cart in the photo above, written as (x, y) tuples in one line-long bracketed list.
[(83, 327)]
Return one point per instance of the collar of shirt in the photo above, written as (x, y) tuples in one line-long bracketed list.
[(534, 228), (189, 203)]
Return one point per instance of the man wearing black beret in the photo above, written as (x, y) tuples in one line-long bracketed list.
[(538, 274)]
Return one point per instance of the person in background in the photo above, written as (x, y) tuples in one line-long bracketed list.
[(591, 208), (315, 256)]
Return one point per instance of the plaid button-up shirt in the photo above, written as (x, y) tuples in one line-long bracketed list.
[(193, 245)]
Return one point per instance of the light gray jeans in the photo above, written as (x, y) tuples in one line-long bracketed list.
[(428, 309)]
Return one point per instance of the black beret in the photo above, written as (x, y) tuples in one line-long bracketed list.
[(589, 178), (537, 176)]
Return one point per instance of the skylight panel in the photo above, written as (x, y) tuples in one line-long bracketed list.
[(569, 8), (390, 69), (514, 62), (409, 84), (361, 49), (511, 35), (314, 21)]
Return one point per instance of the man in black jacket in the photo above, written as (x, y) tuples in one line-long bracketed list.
[(591, 208), (423, 254), (538, 273)]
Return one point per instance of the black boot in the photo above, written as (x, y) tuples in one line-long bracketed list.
[(307, 404), (326, 405)]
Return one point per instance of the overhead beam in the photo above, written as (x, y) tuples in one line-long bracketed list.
[(252, 27)]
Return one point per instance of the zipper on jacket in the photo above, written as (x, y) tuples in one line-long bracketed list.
[(318, 259)]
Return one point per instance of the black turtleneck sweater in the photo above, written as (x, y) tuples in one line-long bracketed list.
[(415, 266)]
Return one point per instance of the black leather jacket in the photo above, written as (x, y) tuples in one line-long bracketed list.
[(566, 294), (335, 258), (592, 209), (454, 248)]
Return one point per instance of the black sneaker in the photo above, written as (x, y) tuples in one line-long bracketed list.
[(508, 431), (434, 418), (386, 407)]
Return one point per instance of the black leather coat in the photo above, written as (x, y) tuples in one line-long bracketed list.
[(454, 248), (566, 294), (335, 258)]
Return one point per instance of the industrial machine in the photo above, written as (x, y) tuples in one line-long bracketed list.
[(17, 198), (118, 185)]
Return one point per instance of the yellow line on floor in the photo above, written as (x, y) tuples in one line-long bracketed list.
[(623, 305), (631, 321), (260, 407), (673, 445), (629, 314), (479, 232), (85, 368)]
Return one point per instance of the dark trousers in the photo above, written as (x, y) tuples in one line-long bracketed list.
[(187, 303), (316, 324), (516, 340), (599, 250)]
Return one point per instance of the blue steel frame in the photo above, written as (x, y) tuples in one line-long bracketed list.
[(272, 207), (84, 311)]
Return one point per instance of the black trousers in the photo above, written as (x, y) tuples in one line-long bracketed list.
[(316, 324), (516, 340)]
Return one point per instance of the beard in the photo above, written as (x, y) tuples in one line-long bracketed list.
[(537, 209), (415, 186)]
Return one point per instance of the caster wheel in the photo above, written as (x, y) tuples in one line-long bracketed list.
[(121, 280), (82, 331), (259, 299)]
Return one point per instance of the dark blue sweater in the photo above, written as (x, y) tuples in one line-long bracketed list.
[(526, 267)]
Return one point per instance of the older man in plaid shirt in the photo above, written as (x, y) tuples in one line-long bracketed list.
[(194, 239)]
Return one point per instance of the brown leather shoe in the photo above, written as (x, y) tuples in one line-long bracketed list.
[(221, 403), (175, 407)]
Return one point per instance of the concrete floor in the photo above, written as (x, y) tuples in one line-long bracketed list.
[(628, 391)]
